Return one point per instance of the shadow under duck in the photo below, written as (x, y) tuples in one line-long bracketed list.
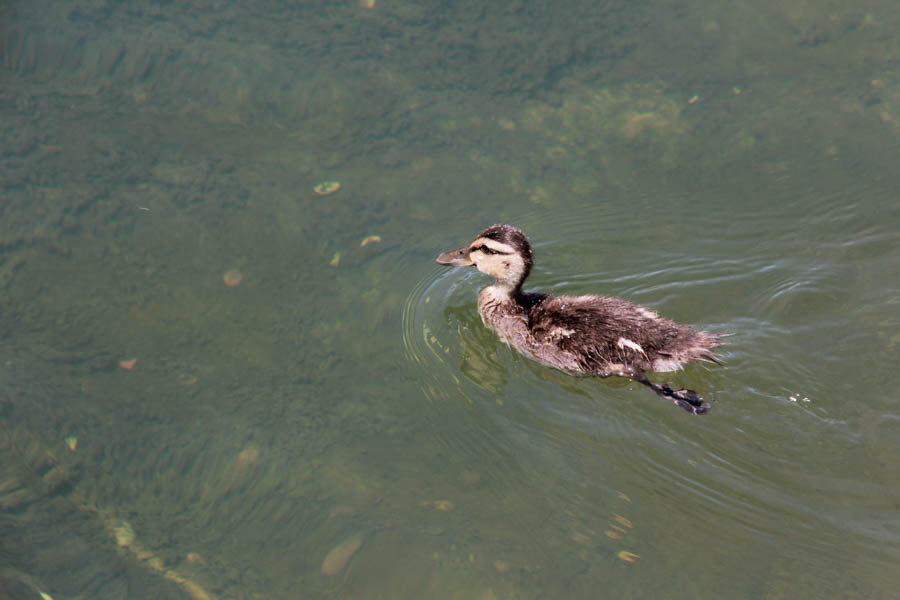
[(580, 335)]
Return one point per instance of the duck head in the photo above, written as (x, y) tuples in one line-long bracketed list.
[(501, 251)]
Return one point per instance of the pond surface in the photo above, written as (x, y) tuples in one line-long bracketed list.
[(217, 382)]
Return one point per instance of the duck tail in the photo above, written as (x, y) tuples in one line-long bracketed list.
[(700, 347)]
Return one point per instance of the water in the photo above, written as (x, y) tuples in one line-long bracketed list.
[(730, 169)]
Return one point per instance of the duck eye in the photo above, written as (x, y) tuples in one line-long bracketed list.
[(485, 249)]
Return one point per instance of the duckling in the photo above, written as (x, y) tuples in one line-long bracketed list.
[(580, 335)]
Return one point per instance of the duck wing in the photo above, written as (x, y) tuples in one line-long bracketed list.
[(604, 334)]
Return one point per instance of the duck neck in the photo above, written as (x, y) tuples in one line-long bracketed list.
[(505, 291)]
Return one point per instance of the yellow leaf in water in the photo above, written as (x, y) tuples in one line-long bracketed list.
[(327, 188)]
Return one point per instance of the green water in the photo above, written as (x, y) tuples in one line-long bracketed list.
[(733, 167)]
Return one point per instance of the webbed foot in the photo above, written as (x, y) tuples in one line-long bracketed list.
[(689, 400)]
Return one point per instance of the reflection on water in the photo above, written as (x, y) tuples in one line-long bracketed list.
[(343, 428)]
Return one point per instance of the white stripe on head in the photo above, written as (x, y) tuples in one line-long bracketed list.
[(501, 261), (493, 245)]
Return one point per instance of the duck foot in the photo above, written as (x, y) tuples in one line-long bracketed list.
[(689, 400)]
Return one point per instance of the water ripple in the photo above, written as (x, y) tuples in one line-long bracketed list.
[(749, 468)]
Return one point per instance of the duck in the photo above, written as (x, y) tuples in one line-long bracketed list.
[(594, 336)]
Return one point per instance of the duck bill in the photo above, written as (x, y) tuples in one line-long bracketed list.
[(456, 258)]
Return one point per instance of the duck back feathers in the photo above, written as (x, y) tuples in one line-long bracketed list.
[(604, 334)]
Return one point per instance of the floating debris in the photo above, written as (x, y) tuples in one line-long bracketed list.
[(340, 555), (335, 260), (72, 442), (127, 364), (628, 556), (372, 239), (232, 278), (327, 188), (622, 520)]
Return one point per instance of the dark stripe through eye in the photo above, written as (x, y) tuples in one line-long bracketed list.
[(487, 250)]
